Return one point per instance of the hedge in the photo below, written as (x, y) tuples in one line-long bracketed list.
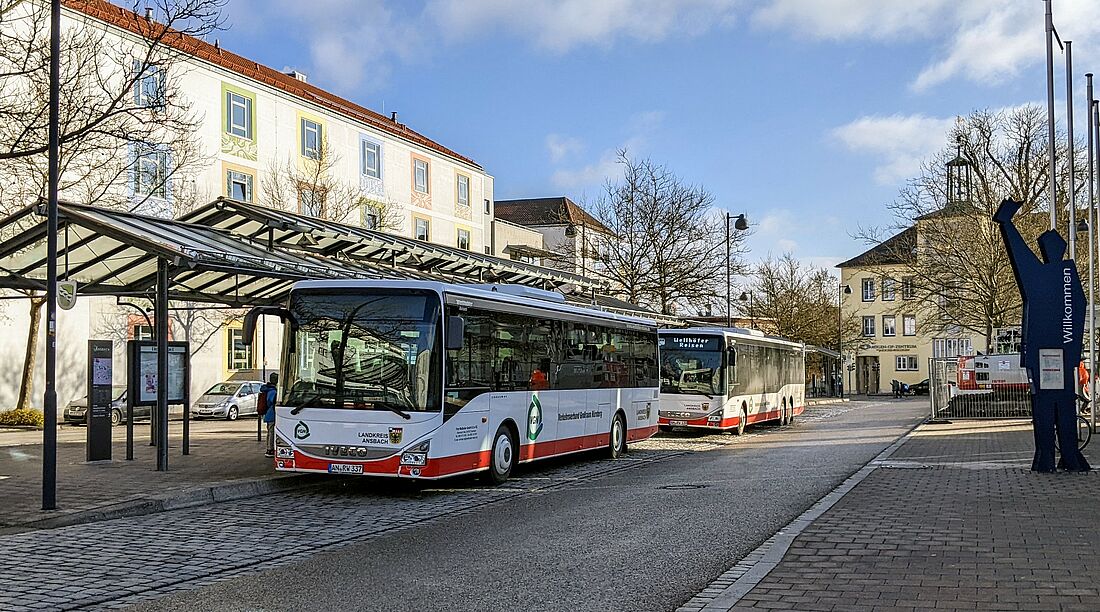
[(22, 416)]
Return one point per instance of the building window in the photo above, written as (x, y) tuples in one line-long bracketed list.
[(238, 115), (869, 327), (150, 171), (239, 185), (908, 288), (1007, 339), (951, 347), (311, 202), (868, 290), (905, 363), (372, 216), (488, 207), (311, 139), (422, 229), (420, 175), (488, 250), (888, 290), (149, 86), (463, 239), (463, 188), (371, 159), (889, 325), (238, 354), (909, 325), (142, 332)]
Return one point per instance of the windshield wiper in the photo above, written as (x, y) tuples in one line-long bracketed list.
[(295, 410), (394, 409)]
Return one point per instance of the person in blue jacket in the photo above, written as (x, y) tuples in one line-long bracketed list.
[(268, 395)]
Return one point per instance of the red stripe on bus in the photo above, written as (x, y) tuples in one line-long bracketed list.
[(477, 460)]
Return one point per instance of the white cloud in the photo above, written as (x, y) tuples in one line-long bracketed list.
[(984, 41), (351, 43), (588, 176), (844, 19), (562, 25), (900, 141), (560, 147)]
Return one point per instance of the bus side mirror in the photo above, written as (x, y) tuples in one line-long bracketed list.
[(255, 314), (455, 332)]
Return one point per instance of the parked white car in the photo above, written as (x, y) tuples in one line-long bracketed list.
[(228, 400)]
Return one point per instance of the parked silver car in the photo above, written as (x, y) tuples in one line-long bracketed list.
[(228, 400)]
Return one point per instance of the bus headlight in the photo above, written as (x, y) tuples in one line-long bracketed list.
[(414, 458), (417, 454)]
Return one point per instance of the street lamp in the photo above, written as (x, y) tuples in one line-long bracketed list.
[(742, 224), (747, 296), (843, 291)]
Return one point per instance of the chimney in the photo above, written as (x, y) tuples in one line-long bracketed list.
[(301, 76), (148, 13), (393, 116)]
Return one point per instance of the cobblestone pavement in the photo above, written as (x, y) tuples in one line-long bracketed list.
[(220, 451), (120, 562), (952, 520)]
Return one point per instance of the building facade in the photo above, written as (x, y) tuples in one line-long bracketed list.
[(571, 236), (256, 125), (891, 342)]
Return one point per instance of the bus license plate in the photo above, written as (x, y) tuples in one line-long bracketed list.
[(678, 423), (344, 468)]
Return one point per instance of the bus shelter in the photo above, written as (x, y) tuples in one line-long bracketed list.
[(237, 254)]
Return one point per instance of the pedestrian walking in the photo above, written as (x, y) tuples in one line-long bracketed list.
[(895, 388), (265, 406)]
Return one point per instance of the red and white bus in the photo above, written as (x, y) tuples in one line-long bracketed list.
[(726, 379), (422, 379)]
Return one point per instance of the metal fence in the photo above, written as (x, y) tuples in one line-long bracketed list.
[(952, 398)]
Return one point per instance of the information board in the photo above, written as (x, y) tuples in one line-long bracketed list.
[(142, 369), (100, 391)]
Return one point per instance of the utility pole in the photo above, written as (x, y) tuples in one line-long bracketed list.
[(49, 401)]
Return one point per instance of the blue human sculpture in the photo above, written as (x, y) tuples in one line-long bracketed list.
[(1053, 323)]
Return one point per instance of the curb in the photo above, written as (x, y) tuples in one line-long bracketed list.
[(185, 498), (727, 589)]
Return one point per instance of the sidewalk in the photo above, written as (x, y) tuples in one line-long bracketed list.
[(226, 462), (953, 519)]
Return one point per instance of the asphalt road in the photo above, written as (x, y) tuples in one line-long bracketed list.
[(646, 538)]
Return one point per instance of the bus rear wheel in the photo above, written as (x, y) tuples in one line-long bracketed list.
[(502, 457), (790, 416), (742, 421), (616, 446)]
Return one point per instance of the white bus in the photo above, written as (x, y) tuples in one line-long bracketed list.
[(422, 379), (727, 379)]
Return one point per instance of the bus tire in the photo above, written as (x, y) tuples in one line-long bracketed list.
[(790, 417), (742, 421), (616, 444), (502, 456), (783, 413)]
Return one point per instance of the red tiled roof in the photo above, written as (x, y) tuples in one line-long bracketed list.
[(128, 20), (546, 211)]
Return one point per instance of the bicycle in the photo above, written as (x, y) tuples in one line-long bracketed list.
[(1084, 425)]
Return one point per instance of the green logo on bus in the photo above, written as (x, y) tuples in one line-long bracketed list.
[(534, 418)]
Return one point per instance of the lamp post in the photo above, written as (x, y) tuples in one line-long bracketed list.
[(843, 290), (741, 224), (746, 296)]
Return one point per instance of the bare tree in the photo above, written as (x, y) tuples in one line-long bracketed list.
[(310, 185), (945, 253), (195, 323), (667, 249), (802, 302), (127, 129)]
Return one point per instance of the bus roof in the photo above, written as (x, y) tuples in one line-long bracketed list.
[(737, 333), (510, 294)]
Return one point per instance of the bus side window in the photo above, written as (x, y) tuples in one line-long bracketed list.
[(731, 367)]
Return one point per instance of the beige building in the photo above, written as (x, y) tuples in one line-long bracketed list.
[(568, 231), (892, 343)]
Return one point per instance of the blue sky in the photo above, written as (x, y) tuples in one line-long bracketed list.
[(805, 114)]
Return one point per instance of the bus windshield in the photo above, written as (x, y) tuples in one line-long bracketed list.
[(360, 350), (691, 365)]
